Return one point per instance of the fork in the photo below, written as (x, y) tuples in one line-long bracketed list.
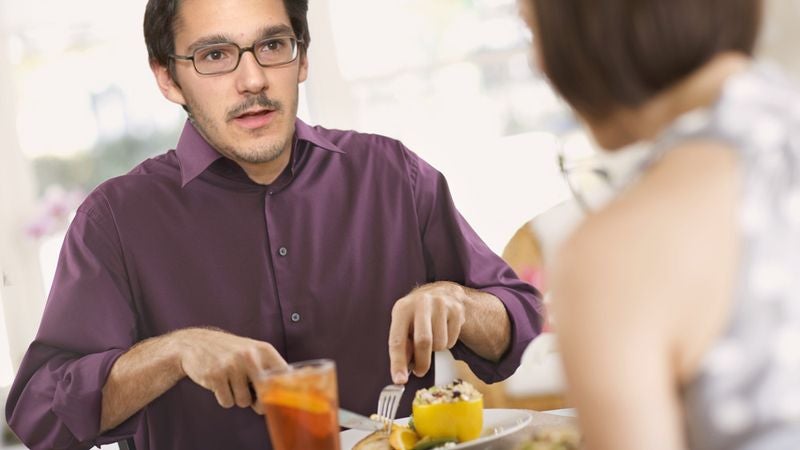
[(388, 402)]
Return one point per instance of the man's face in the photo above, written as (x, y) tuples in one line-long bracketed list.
[(247, 115)]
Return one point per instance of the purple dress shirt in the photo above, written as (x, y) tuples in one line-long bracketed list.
[(311, 264)]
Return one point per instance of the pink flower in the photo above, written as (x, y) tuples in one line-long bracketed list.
[(53, 211)]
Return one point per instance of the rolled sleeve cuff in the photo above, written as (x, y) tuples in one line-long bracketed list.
[(79, 394), (526, 323)]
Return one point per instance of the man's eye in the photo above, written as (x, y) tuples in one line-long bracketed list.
[(214, 54), (273, 45)]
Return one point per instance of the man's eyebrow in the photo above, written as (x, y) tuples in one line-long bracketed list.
[(275, 30), (205, 41), (214, 39)]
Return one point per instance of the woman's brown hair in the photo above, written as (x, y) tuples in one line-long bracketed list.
[(605, 54)]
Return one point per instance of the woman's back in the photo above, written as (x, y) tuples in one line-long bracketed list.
[(746, 391), (678, 304)]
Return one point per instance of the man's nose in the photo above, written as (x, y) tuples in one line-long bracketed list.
[(251, 77)]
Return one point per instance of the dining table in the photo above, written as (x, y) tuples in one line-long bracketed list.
[(498, 439)]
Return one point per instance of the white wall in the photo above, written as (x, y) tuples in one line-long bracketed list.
[(20, 285), (498, 183)]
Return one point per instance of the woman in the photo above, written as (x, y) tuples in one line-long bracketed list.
[(679, 301)]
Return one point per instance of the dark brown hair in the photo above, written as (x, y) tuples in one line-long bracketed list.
[(160, 22), (605, 54)]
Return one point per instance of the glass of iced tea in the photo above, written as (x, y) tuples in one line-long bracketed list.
[(301, 403)]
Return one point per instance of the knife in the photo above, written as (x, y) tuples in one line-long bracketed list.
[(349, 419)]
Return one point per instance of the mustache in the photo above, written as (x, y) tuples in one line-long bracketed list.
[(256, 100)]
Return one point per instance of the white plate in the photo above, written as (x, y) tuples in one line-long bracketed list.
[(497, 424)]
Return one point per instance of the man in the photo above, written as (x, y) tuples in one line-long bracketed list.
[(259, 240)]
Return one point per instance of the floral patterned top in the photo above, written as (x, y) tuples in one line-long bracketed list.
[(746, 395)]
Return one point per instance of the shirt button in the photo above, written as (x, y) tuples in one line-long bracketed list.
[(295, 317), (282, 251)]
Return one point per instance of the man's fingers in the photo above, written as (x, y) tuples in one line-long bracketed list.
[(453, 331), (256, 406), (272, 358), (409, 352), (423, 342), (439, 328), (240, 389), (398, 337), (225, 364), (455, 321), (222, 391)]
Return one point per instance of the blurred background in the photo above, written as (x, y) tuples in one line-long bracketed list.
[(450, 78)]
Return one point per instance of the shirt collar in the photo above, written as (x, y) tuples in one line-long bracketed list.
[(195, 154), (305, 132)]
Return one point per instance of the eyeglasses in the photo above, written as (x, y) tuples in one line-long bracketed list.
[(588, 181), (595, 178), (222, 58)]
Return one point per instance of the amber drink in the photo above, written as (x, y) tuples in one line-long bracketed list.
[(301, 404)]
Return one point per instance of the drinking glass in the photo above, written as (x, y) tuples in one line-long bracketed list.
[(300, 404)]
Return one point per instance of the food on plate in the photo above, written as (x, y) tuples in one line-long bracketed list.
[(442, 416), (403, 438), (553, 438), (451, 411), (374, 441)]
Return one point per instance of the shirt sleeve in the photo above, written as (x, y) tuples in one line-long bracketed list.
[(454, 252), (88, 322)]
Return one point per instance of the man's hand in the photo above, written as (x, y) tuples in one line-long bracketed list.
[(220, 362), (426, 320), (225, 364)]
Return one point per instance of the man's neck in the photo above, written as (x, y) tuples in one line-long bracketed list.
[(266, 173)]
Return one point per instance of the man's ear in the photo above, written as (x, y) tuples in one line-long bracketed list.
[(302, 74), (169, 88)]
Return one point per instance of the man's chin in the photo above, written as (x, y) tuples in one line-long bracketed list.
[(258, 156)]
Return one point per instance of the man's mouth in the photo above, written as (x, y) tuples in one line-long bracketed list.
[(255, 118)]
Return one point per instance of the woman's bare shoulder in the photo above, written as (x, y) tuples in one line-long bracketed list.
[(650, 244)]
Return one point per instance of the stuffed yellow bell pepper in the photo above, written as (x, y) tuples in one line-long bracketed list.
[(453, 411)]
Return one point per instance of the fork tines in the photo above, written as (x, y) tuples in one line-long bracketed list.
[(388, 402)]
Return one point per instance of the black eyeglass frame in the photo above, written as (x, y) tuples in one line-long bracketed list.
[(567, 167), (242, 50)]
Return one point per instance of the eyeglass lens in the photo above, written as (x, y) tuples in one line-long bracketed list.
[(225, 57)]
